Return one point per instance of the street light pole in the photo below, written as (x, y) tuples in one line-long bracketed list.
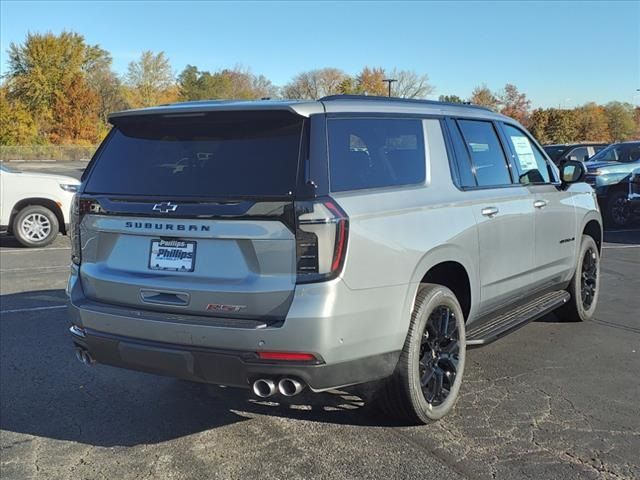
[(389, 82)]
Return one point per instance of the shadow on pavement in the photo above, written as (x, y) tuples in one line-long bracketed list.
[(46, 392)]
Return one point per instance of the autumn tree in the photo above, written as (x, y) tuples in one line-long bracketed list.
[(315, 84), (149, 81), (370, 81), (514, 104), (538, 122), (482, 95), (17, 126), (561, 126), (450, 99), (621, 121), (40, 69), (591, 123), (75, 113)]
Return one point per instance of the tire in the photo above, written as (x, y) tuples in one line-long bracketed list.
[(618, 210), (35, 226), (585, 284), (427, 353)]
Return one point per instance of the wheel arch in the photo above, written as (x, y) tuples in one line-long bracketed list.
[(452, 267), (42, 202)]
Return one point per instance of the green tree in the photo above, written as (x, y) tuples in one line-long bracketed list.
[(450, 99), (514, 104), (621, 121), (228, 83), (150, 80), (17, 126), (482, 95)]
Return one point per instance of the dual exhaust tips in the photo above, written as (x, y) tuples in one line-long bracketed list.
[(288, 387), (84, 357)]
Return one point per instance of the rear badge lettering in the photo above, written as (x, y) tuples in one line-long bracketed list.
[(168, 227), (219, 307)]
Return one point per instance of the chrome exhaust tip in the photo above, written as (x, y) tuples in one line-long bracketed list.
[(264, 387), (290, 387)]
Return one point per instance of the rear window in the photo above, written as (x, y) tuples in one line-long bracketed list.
[(375, 152), (222, 154)]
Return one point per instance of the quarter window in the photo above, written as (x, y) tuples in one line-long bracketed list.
[(529, 161), (489, 163), (375, 152)]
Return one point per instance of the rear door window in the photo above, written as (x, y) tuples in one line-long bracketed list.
[(221, 154), (375, 152), (487, 156), (529, 161)]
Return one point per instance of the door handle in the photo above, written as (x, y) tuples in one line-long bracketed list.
[(490, 211), (540, 203)]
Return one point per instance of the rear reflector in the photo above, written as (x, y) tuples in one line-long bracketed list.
[(288, 356)]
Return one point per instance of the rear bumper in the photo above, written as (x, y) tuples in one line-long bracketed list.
[(225, 367), (356, 335)]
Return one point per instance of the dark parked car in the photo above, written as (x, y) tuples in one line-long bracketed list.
[(609, 172), (573, 151)]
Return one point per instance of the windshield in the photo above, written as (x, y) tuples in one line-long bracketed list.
[(620, 152), (222, 154), (555, 152)]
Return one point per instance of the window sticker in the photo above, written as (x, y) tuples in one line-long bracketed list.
[(524, 152)]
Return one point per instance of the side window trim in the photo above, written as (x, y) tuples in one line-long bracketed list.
[(452, 155)]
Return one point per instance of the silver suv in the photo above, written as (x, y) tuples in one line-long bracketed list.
[(283, 245)]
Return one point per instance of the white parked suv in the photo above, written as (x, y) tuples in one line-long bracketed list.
[(35, 207)]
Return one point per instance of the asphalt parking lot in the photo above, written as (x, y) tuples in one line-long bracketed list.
[(553, 400)]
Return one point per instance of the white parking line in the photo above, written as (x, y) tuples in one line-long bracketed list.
[(33, 309), (9, 270), (621, 246), (29, 250)]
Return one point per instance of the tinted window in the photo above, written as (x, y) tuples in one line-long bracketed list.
[(223, 154), (370, 153), (621, 152), (487, 156), (529, 161), (580, 154), (555, 152)]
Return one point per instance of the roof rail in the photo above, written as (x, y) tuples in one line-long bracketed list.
[(377, 98)]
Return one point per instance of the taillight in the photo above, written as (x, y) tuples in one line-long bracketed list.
[(321, 239), (79, 208)]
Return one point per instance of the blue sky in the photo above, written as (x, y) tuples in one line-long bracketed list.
[(559, 53)]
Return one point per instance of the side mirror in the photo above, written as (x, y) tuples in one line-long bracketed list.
[(572, 172)]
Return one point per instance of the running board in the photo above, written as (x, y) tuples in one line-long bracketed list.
[(485, 331)]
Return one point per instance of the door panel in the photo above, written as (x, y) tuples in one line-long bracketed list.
[(555, 233), (506, 256)]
